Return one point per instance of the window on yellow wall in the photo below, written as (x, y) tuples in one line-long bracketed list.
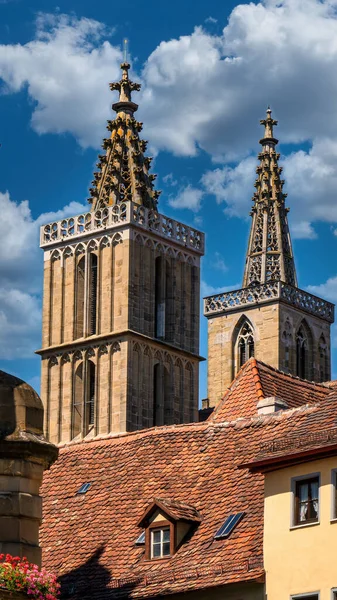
[(306, 597), (334, 503), (306, 500)]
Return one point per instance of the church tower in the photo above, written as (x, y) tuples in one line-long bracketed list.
[(270, 317), (120, 342)]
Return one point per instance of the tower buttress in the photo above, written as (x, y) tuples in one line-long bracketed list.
[(269, 318), (120, 342)]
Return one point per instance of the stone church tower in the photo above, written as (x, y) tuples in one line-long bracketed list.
[(270, 317), (121, 300)]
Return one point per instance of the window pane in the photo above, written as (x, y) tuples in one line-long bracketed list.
[(156, 550), (314, 490), (156, 536), (303, 511), (166, 549), (303, 492), (307, 500), (166, 535)]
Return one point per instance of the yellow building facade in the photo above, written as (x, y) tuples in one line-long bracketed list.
[(300, 559)]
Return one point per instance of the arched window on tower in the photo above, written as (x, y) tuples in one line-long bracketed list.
[(245, 343), (169, 302), (79, 298), (303, 352), (287, 342), (160, 281), (77, 412), (90, 397), (83, 410), (323, 359), (157, 395), (93, 280)]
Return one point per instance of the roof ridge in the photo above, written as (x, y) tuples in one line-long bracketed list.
[(322, 384), (139, 433), (241, 422)]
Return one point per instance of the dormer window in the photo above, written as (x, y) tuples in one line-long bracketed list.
[(160, 542), (167, 523)]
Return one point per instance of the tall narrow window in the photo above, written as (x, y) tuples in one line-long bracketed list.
[(156, 394), (245, 343), (287, 340), (92, 293), (169, 302), (77, 401), (160, 281), (303, 347), (323, 360), (90, 396), (79, 298)]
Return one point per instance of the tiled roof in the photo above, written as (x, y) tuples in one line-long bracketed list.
[(177, 510), (304, 433), (90, 538), (255, 381)]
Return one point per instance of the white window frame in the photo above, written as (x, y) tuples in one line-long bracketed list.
[(333, 514), (293, 524), (161, 529), (308, 595)]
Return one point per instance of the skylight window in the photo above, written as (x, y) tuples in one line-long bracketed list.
[(141, 540), (228, 526), (84, 488)]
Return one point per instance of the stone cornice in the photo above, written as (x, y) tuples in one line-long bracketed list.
[(110, 338)]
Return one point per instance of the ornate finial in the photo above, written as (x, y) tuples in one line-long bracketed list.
[(268, 123), (125, 86), (123, 171)]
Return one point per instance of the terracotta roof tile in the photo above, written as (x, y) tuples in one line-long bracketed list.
[(176, 510), (90, 539), (255, 381)]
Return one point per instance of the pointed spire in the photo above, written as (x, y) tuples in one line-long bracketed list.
[(123, 171), (269, 255)]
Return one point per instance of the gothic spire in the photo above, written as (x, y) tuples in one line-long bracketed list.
[(123, 171), (269, 255)]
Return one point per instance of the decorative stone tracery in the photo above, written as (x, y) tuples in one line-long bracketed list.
[(269, 255)]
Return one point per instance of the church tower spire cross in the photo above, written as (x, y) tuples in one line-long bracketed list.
[(269, 255), (123, 171)]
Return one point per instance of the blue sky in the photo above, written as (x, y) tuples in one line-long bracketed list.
[(208, 71)]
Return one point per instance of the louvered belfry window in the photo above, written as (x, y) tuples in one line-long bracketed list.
[(92, 294)]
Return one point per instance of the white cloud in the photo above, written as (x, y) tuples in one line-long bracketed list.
[(303, 230), (170, 180), (311, 180), (327, 290), (66, 69), (211, 20), (233, 186), (209, 290), (219, 263), (187, 197), (21, 271), (204, 91)]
